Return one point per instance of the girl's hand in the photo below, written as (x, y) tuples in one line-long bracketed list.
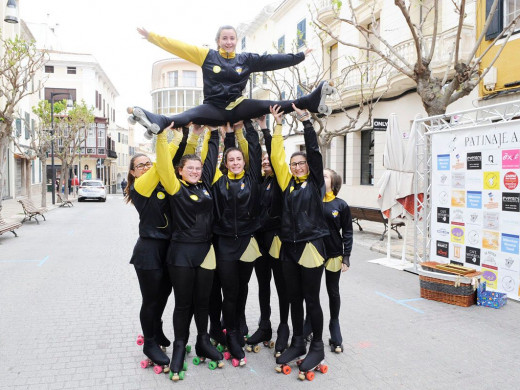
[(197, 129), (238, 126), (228, 128), (277, 113), (344, 267), (212, 128), (262, 122), (171, 127), (307, 52), (143, 32), (302, 115)]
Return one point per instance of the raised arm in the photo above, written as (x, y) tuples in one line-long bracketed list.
[(191, 53), (280, 167), (267, 62), (210, 163), (177, 152), (255, 152), (165, 168)]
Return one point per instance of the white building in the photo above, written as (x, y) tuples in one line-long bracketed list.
[(358, 156)]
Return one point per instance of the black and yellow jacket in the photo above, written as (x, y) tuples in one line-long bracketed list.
[(225, 75), (302, 208), (237, 196), (339, 220), (191, 204)]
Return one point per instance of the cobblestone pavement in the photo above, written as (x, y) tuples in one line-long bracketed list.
[(69, 306)]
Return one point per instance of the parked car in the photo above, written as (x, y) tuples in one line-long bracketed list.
[(92, 189)]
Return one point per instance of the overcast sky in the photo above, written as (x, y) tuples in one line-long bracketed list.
[(107, 30)]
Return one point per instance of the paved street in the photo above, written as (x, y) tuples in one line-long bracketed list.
[(69, 305)]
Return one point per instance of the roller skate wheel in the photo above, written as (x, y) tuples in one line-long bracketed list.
[(174, 376), (243, 361), (220, 348), (324, 109), (323, 368), (277, 354), (140, 340), (249, 349), (338, 349), (148, 135), (278, 368), (309, 375), (166, 369), (212, 365), (196, 361), (181, 375), (227, 355), (256, 348), (158, 369), (328, 89), (271, 344), (130, 110), (188, 348), (235, 362), (131, 120), (301, 376), (185, 366), (286, 370), (144, 363), (220, 364)]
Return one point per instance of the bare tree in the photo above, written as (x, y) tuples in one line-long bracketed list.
[(19, 62), (72, 136), (437, 90), (356, 115)]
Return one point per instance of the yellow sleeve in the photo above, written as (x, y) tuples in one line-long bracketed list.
[(242, 143), (146, 183), (218, 175), (191, 144), (191, 53), (164, 164), (283, 175), (205, 142), (173, 146)]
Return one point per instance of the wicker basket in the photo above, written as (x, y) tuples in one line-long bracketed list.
[(451, 289)]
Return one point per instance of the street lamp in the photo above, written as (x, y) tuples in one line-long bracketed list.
[(69, 105), (11, 12)]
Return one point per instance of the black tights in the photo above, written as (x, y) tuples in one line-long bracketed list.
[(263, 267), (155, 289), (304, 284), (332, 282), (234, 278), (192, 287)]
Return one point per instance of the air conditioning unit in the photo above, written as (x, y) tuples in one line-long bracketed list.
[(490, 79)]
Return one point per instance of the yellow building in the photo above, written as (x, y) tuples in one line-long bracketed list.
[(502, 82)]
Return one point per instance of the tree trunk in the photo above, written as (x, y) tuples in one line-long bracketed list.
[(4, 143), (431, 95), (65, 175), (44, 181), (28, 176)]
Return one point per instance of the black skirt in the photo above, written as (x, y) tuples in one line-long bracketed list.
[(230, 248), (191, 255), (149, 253)]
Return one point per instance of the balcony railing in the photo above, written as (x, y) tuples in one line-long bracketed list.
[(111, 153)]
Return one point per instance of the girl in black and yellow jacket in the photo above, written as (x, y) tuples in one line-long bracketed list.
[(191, 258), (302, 233), (225, 74), (236, 209), (268, 238), (338, 246)]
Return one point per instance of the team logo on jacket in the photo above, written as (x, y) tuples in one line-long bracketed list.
[(238, 69), (304, 184), (194, 197), (268, 187), (205, 192), (217, 69), (335, 213), (242, 186), (160, 195)]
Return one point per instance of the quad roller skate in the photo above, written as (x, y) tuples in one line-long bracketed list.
[(179, 365), (335, 340), (138, 115), (316, 100), (296, 350), (156, 358), (262, 335), (282, 339), (235, 351), (313, 361), (204, 349)]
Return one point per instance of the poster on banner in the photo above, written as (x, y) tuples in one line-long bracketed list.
[(476, 202)]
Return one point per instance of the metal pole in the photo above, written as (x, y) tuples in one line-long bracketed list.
[(52, 153)]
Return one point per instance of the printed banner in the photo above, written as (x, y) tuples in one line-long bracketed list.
[(476, 202)]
